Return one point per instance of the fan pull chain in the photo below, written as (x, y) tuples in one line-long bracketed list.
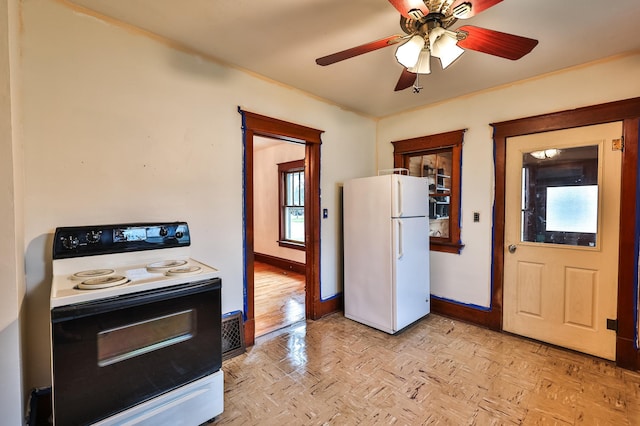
[(416, 86)]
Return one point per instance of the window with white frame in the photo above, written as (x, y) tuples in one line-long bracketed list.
[(292, 204)]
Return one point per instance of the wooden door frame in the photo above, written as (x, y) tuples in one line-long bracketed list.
[(627, 111), (260, 125)]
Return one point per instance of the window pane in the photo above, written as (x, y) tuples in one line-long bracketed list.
[(289, 185), (560, 196), (301, 189), (436, 169), (294, 223), (572, 208), (294, 182)]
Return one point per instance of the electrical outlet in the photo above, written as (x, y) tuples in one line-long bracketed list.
[(476, 216)]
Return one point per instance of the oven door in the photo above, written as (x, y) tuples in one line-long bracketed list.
[(112, 354)]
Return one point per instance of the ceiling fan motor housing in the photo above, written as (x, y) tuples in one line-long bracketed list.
[(425, 24)]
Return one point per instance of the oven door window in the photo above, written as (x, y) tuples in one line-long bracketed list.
[(121, 343), (112, 355)]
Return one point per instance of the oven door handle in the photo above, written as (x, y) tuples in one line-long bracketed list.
[(66, 313)]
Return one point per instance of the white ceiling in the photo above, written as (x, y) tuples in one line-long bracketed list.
[(280, 39)]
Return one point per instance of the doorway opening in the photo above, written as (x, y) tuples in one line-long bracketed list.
[(627, 111), (279, 234), (255, 125)]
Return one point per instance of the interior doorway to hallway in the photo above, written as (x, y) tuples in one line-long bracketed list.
[(279, 234), (255, 125)]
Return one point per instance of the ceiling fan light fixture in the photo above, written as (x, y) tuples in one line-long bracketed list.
[(547, 153), (423, 66), (443, 45), (408, 53)]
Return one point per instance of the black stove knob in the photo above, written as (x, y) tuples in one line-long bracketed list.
[(93, 236), (179, 234), (163, 232), (70, 242)]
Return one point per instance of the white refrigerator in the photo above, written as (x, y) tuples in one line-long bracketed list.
[(386, 251)]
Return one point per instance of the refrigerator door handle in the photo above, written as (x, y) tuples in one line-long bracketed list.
[(399, 200), (400, 251)]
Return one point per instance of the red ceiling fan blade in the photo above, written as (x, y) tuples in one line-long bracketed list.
[(404, 6), (359, 50), (496, 43), (406, 80), (477, 6)]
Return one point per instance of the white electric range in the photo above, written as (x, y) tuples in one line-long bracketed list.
[(138, 321)]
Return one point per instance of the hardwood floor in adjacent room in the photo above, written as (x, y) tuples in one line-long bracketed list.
[(278, 298), (335, 371)]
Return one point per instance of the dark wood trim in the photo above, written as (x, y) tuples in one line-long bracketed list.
[(260, 125), (278, 262), (330, 306), (281, 130), (313, 300), (464, 313), (249, 325), (627, 259), (628, 111), (447, 247), (291, 245)]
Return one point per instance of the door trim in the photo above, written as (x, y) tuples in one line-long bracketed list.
[(627, 111), (260, 125)]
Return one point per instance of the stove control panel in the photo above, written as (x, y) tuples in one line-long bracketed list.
[(78, 241)]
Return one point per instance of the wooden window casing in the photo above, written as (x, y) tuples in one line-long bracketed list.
[(442, 143)]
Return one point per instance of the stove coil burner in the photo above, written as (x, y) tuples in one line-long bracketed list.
[(103, 282), (185, 271), (165, 265), (92, 273)]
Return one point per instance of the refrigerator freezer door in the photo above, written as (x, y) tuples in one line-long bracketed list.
[(409, 196), (411, 298)]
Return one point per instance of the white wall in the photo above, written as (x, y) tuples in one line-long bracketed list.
[(119, 127), (266, 217), (466, 278), (12, 286)]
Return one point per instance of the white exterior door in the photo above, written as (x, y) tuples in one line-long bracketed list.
[(562, 209)]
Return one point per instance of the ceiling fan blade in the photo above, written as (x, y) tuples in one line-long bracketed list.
[(359, 50), (477, 6), (405, 6), (406, 80), (496, 43)]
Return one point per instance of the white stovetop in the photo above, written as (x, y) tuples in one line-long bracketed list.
[(64, 289)]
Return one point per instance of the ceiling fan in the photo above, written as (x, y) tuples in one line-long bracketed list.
[(426, 23)]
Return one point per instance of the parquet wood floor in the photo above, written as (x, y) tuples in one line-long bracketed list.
[(278, 298), (335, 371)]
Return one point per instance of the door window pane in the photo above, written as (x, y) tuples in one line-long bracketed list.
[(572, 208), (560, 196)]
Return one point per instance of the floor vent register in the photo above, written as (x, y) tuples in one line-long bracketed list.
[(232, 335)]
